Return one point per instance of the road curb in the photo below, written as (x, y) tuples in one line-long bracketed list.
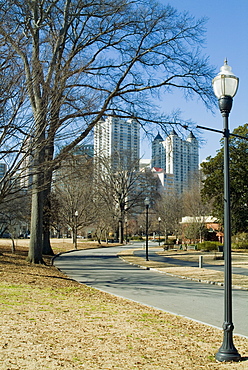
[(181, 276)]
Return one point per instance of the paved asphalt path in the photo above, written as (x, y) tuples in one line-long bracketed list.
[(153, 256), (102, 269)]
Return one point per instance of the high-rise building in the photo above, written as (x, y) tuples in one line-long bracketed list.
[(158, 153), (181, 158), (86, 150), (27, 164), (117, 139)]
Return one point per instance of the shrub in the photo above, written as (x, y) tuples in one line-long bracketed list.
[(240, 245), (136, 237), (240, 241), (208, 246)]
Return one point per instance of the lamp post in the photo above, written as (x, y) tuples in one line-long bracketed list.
[(147, 202), (76, 217), (126, 229), (159, 220), (225, 86)]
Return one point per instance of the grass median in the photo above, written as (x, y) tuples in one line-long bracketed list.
[(50, 322), (204, 275)]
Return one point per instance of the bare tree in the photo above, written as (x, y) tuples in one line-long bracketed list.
[(73, 191), (15, 216), (195, 207), (83, 59), (105, 220), (122, 188), (193, 203), (15, 128), (16, 133), (169, 208)]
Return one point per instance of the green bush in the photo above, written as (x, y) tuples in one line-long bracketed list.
[(240, 241), (136, 237), (240, 245), (208, 246)]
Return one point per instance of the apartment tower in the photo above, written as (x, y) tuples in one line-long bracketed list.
[(117, 139), (180, 158)]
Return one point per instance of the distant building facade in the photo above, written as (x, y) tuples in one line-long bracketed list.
[(86, 150), (158, 153), (210, 223), (166, 180), (145, 164), (177, 157), (117, 139)]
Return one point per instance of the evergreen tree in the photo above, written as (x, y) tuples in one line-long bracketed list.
[(214, 183)]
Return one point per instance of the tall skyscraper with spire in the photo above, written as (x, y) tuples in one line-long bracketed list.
[(181, 158), (158, 152)]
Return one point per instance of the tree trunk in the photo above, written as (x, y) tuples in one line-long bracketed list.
[(49, 150), (121, 234), (35, 245), (47, 249), (13, 248), (74, 236)]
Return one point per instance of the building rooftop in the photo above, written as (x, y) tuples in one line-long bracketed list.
[(173, 132), (157, 169), (191, 135), (159, 137)]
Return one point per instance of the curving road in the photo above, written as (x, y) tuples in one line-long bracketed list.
[(102, 269)]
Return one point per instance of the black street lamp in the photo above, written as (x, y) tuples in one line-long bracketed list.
[(76, 225), (147, 203), (159, 220), (225, 86)]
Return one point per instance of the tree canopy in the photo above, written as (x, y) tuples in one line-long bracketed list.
[(214, 182), (81, 60)]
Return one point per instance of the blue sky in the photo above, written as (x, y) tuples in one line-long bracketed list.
[(226, 37)]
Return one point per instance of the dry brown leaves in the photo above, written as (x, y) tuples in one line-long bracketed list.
[(51, 322)]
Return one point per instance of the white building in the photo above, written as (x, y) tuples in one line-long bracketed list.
[(25, 175), (85, 150), (115, 137), (181, 158), (158, 152), (166, 180), (145, 164)]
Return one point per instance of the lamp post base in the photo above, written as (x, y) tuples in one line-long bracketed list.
[(227, 351), (227, 355)]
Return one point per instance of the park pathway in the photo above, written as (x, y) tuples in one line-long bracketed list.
[(103, 270), (153, 256)]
